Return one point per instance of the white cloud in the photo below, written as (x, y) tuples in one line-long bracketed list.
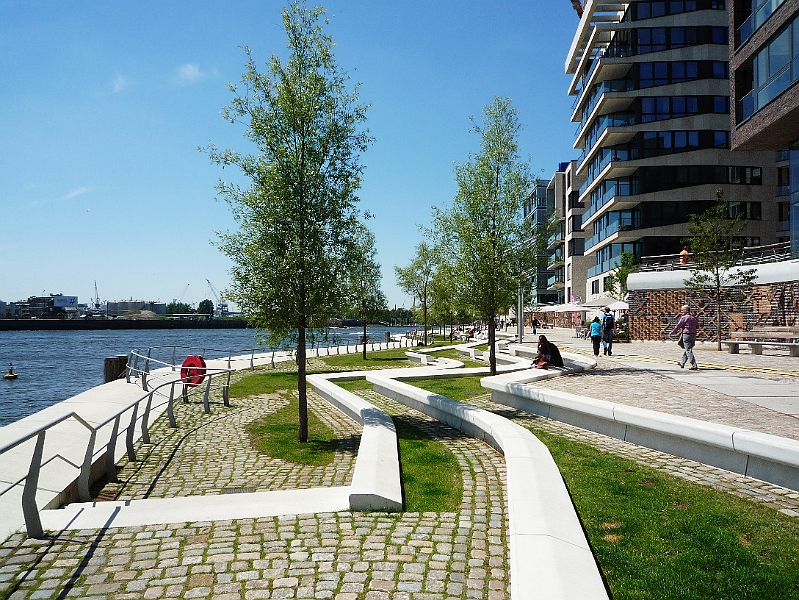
[(75, 193), (188, 74), (120, 83)]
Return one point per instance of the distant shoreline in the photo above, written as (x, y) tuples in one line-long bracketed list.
[(116, 324)]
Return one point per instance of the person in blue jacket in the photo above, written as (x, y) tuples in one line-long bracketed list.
[(596, 334)]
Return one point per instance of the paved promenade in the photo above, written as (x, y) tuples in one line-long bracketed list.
[(377, 556)]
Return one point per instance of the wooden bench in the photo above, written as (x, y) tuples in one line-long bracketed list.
[(782, 337)]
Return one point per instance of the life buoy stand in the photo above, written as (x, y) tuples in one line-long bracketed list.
[(192, 371)]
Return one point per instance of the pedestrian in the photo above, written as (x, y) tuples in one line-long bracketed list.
[(548, 354), (684, 256), (686, 327), (608, 324), (596, 334), (535, 325)]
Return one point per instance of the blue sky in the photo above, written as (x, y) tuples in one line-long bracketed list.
[(103, 106)]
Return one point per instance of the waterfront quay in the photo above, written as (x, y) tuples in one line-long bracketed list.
[(347, 554)]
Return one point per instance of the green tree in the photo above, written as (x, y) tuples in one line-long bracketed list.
[(416, 278), (616, 283), (366, 296), (443, 295), (716, 248), (298, 218), (488, 240), (178, 308), (206, 307)]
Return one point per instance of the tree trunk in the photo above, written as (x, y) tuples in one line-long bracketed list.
[(718, 318), (424, 318), (302, 433), (492, 347)]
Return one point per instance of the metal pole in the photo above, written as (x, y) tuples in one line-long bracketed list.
[(127, 370), (85, 470), (145, 430), (129, 436), (33, 523), (110, 450), (174, 348), (206, 404), (169, 411), (520, 315), (226, 391)]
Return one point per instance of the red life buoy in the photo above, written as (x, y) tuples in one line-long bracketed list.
[(192, 371)]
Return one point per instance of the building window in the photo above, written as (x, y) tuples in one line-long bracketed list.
[(595, 286)]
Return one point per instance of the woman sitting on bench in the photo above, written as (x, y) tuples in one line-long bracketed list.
[(548, 354)]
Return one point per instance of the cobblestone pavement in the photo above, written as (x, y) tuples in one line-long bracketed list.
[(346, 556), (616, 381)]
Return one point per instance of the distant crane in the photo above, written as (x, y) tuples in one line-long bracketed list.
[(221, 307), (183, 293), (96, 297)]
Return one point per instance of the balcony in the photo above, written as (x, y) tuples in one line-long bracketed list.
[(784, 190), (556, 282), (555, 240), (604, 266), (556, 260), (755, 20), (617, 224)]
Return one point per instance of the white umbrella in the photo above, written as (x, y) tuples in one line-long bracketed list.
[(619, 305), (598, 303)]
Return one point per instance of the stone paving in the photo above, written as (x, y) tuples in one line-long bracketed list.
[(376, 556)]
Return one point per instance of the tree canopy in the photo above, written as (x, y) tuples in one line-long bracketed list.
[(488, 241), (298, 218), (416, 278), (716, 247)]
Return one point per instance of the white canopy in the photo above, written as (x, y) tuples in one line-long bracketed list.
[(599, 302), (619, 305), (559, 308)]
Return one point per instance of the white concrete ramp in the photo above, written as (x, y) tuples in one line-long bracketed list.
[(190, 509)]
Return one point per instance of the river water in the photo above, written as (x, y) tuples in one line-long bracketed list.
[(56, 365)]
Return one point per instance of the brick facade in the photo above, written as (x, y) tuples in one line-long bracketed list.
[(653, 313)]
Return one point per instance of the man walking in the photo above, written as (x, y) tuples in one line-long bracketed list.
[(608, 324), (686, 327)]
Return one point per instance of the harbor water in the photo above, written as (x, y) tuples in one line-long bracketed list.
[(56, 365)]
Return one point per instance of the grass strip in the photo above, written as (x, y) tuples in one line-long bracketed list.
[(660, 537), (380, 359)]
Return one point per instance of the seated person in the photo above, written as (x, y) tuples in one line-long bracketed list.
[(548, 354)]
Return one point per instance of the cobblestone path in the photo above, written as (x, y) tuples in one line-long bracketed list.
[(346, 556)]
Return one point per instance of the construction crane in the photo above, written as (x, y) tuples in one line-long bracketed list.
[(183, 293), (578, 6), (221, 307), (96, 297)]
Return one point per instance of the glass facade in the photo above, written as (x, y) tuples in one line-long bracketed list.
[(794, 202)]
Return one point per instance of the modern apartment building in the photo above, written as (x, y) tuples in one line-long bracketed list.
[(764, 65), (538, 206), (652, 103)]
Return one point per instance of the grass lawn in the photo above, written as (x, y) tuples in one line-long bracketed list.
[(658, 536), (382, 359)]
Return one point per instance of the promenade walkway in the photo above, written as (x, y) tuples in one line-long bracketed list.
[(377, 556)]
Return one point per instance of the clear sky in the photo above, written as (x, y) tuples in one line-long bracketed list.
[(103, 105)]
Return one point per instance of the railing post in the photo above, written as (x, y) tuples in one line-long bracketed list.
[(129, 436), (169, 410), (273, 359), (229, 357), (174, 349), (136, 363), (252, 360), (145, 429), (86, 469), (185, 393), (226, 391), (206, 404), (128, 366), (110, 464), (33, 523)]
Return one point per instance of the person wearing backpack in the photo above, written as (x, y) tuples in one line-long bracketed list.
[(608, 323)]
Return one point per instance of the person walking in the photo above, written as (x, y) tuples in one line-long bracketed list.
[(596, 334), (686, 327), (535, 325), (608, 324)]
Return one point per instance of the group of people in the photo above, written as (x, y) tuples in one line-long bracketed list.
[(601, 330)]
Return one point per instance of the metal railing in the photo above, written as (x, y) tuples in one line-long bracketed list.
[(30, 510), (752, 255)]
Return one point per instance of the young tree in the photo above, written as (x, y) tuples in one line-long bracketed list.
[(298, 218), (716, 247), (416, 278), (616, 284), (366, 296), (487, 238), (206, 307)]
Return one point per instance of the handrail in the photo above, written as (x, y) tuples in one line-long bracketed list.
[(30, 510)]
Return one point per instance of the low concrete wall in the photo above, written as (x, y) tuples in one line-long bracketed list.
[(376, 483), (759, 455), (549, 554)]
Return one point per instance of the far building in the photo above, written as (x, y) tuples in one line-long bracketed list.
[(538, 207), (764, 70)]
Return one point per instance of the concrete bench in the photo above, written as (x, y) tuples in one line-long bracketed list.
[(757, 347)]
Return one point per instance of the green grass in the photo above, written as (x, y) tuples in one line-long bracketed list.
[(355, 385), (464, 358), (457, 388), (659, 537), (382, 359), (431, 476), (263, 383)]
